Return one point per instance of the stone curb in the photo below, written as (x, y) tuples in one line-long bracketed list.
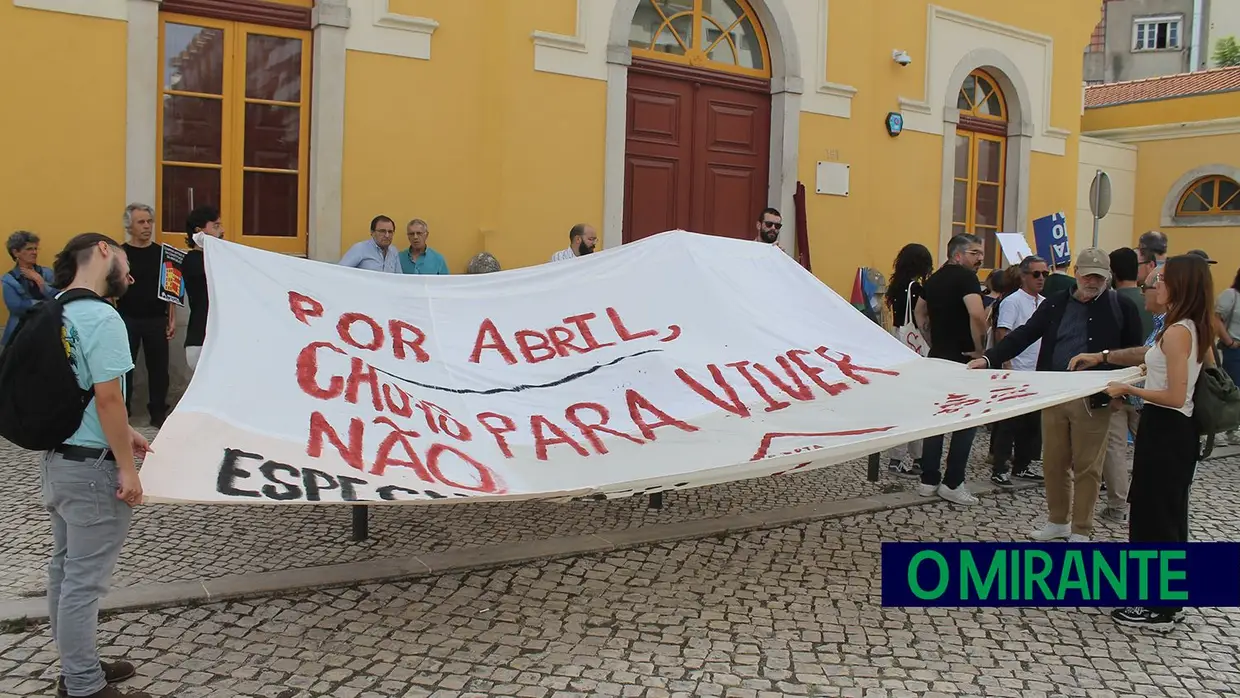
[(259, 584)]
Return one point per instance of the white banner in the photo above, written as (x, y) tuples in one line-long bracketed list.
[(678, 361)]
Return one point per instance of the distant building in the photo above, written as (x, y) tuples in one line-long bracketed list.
[(1222, 22), (1171, 146), (1139, 39)]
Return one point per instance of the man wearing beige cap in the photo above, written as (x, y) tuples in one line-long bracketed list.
[(1090, 318)]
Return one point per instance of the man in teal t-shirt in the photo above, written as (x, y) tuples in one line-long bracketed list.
[(90, 482), (420, 258)]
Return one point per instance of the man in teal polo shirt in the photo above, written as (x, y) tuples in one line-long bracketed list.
[(419, 258)]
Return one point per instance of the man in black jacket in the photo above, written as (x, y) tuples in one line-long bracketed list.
[(1090, 318)]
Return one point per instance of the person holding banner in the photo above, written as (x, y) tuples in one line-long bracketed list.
[(951, 308), (1167, 447), (1092, 318), (912, 266), (205, 220), (1019, 438)]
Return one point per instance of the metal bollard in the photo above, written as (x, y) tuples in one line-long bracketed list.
[(872, 475), (361, 522)]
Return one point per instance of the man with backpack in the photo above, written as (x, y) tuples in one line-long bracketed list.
[(62, 391), (1090, 318)]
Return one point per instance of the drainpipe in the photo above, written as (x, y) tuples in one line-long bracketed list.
[(1194, 51)]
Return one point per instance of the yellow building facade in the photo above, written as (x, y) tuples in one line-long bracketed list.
[(504, 123), (1172, 148)]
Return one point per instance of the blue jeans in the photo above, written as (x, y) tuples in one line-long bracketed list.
[(89, 525), (957, 458), (1231, 363)]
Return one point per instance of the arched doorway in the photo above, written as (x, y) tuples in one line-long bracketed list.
[(698, 127), (980, 162)]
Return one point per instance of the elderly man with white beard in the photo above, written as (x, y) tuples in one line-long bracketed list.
[(1090, 318)]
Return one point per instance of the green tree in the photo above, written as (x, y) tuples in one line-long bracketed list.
[(1227, 53)]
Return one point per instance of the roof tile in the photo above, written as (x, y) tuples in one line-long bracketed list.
[(1164, 87)]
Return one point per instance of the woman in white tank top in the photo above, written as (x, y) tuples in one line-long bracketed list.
[(1167, 447)]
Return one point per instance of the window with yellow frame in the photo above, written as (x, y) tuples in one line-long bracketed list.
[(233, 129), (1210, 196), (717, 34), (981, 158)]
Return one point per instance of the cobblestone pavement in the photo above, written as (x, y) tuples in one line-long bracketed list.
[(176, 543), (794, 611)]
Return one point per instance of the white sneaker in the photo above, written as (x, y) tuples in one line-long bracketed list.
[(1052, 531), (1078, 538), (957, 496), (927, 490)]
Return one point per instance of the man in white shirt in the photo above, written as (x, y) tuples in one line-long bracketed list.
[(1020, 437), (581, 241)]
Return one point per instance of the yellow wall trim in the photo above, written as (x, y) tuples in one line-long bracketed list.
[(378, 29), (105, 9), (828, 98), (1107, 143), (1164, 132), (563, 42), (1033, 53)]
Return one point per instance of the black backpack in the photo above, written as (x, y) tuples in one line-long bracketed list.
[(41, 404), (1216, 405)]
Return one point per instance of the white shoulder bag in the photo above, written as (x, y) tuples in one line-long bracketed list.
[(908, 332)]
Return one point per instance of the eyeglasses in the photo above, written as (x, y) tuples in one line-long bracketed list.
[(770, 224), (1038, 274)]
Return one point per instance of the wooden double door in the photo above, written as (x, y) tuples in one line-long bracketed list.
[(697, 151)]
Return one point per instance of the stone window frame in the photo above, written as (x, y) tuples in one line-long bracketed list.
[(1175, 194)]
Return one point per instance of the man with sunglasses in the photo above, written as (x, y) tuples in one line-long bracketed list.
[(1020, 437), (1125, 267), (770, 222), (1152, 250), (1126, 270)]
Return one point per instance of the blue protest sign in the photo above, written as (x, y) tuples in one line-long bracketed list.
[(1050, 237)]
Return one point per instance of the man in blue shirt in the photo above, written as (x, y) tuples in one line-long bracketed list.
[(419, 258), (376, 252), (90, 482)]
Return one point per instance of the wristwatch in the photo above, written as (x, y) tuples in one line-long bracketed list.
[(1106, 355)]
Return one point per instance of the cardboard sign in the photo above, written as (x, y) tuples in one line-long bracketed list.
[(171, 279), (678, 361), (1015, 247)]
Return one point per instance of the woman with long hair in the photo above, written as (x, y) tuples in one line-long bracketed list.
[(1227, 327), (1166, 450), (912, 266)]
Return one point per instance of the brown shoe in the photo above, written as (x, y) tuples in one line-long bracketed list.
[(113, 672), (111, 691)]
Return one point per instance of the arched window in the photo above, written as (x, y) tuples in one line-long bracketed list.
[(718, 34), (1215, 195), (981, 154)]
